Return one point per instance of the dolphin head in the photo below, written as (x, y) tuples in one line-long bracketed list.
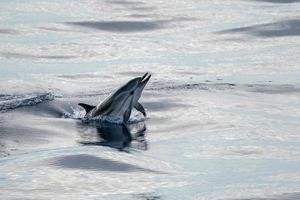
[(138, 91), (120, 103), (130, 86), (134, 87), (127, 96)]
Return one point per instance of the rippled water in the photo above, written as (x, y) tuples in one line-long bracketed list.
[(223, 102)]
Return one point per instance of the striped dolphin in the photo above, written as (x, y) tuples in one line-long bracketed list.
[(119, 104)]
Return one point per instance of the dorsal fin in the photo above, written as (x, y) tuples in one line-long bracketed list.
[(86, 107)]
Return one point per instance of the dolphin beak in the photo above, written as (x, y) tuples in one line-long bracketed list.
[(145, 78)]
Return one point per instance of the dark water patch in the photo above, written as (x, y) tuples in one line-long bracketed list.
[(51, 109), (273, 89), (9, 102), (156, 120), (83, 76), (16, 137), (126, 3), (8, 32), (128, 26), (89, 162), (138, 16), (162, 105), (280, 1), (147, 196), (95, 93), (35, 128), (275, 29), (285, 196), (182, 72), (59, 29), (198, 86), (121, 26), (10, 55), (183, 19), (133, 5), (143, 8), (19, 133), (210, 86)]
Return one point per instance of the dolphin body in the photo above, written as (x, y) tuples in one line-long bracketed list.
[(119, 104)]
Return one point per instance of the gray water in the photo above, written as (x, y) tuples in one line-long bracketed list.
[(223, 102)]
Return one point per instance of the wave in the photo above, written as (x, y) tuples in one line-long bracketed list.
[(12, 101), (259, 88), (9, 102), (173, 86)]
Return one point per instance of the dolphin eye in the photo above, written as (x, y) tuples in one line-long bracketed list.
[(131, 93)]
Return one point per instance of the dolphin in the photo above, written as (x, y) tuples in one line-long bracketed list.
[(119, 104)]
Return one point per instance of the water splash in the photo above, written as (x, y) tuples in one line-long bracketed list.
[(8, 102)]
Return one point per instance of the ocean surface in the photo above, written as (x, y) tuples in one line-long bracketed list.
[(223, 103)]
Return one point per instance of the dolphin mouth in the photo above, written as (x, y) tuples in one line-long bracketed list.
[(145, 78)]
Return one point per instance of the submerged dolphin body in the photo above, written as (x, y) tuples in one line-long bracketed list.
[(120, 103)]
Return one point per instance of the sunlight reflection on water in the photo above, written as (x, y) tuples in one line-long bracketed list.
[(223, 101)]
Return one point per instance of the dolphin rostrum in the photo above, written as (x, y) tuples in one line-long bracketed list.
[(120, 103)]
